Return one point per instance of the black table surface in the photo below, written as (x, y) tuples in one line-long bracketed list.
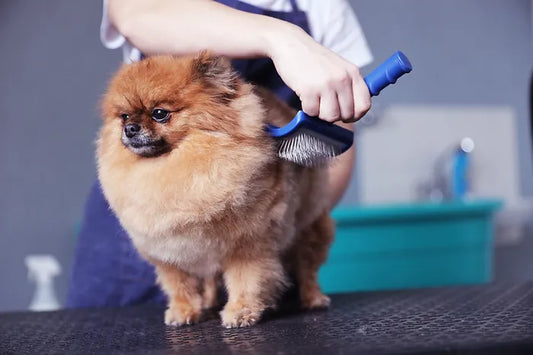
[(474, 319)]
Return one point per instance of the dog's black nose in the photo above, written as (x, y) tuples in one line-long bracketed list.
[(131, 129)]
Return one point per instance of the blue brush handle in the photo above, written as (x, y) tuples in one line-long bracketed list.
[(387, 73)]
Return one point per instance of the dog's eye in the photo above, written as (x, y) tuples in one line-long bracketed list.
[(124, 116), (160, 115)]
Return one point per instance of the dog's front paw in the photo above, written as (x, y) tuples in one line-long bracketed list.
[(239, 316), (182, 315), (317, 300)]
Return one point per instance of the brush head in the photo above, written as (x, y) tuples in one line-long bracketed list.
[(310, 141), (306, 149)]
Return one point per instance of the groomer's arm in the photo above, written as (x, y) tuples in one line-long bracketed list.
[(188, 26)]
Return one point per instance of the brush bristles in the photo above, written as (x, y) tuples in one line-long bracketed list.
[(307, 150)]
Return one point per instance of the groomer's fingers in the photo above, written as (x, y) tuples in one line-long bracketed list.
[(361, 99), (329, 106), (311, 104), (345, 97)]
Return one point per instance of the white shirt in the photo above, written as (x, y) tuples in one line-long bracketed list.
[(332, 23)]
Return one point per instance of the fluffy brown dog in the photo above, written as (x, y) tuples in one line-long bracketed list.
[(186, 165)]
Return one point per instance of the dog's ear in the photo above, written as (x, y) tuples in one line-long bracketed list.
[(217, 72)]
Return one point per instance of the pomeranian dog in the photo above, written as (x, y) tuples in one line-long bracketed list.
[(187, 166)]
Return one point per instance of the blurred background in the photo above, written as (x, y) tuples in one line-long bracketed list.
[(472, 66)]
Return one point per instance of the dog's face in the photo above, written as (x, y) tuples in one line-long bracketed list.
[(154, 104)]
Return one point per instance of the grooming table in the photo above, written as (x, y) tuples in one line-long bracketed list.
[(474, 319)]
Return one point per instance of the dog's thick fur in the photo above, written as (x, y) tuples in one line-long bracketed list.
[(212, 198)]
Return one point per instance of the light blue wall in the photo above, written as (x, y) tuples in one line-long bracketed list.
[(53, 70)]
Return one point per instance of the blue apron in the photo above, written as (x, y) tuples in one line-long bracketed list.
[(107, 270)]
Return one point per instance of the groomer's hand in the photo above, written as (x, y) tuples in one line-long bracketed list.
[(329, 86)]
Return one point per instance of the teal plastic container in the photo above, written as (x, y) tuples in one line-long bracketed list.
[(408, 246)]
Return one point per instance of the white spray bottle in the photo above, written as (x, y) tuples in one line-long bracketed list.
[(42, 269)]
